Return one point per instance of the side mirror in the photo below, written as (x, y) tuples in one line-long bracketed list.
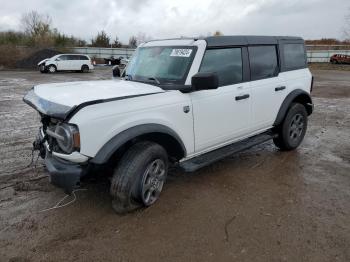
[(57, 59), (116, 71), (205, 81)]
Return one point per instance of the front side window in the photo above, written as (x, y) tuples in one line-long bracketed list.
[(161, 64), (263, 61), (62, 58), (294, 56), (227, 63)]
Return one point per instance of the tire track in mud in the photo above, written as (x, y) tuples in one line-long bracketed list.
[(17, 125)]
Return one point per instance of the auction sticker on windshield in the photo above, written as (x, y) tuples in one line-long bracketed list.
[(181, 52)]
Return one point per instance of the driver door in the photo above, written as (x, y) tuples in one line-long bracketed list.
[(63, 63), (224, 114)]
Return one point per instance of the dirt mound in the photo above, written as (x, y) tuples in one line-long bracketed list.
[(32, 60)]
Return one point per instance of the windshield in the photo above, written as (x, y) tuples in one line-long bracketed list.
[(161, 64)]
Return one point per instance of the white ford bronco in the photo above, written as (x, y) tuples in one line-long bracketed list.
[(183, 102)]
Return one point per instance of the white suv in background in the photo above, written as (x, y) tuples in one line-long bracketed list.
[(66, 62), (182, 102)]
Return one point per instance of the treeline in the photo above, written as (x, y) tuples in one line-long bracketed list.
[(37, 31), (327, 41), (54, 39)]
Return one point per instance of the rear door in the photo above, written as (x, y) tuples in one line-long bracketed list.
[(268, 86), (75, 62), (223, 114), (294, 66)]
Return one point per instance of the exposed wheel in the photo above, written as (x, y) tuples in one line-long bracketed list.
[(85, 68), (292, 131), (139, 178), (51, 69)]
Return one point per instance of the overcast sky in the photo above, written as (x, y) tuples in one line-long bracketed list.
[(310, 19)]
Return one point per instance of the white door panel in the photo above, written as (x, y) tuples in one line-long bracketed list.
[(77, 64), (63, 63), (218, 116), (267, 97)]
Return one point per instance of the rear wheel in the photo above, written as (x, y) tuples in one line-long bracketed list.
[(139, 178), (292, 130), (85, 69), (51, 69)]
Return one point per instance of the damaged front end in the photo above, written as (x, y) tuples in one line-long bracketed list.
[(58, 143)]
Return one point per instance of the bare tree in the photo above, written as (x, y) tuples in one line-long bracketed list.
[(36, 24), (133, 41), (116, 42), (347, 26)]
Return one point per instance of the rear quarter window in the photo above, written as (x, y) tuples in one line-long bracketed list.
[(82, 57), (293, 56)]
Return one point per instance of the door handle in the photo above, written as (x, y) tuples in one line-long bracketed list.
[(280, 88), (242, 97)]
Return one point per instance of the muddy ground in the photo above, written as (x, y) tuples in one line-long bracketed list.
[(259, 205)]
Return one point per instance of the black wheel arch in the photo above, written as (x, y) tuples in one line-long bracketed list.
[(296, 96), (158, 133)]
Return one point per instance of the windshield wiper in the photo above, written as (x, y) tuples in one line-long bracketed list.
[(154, 79)]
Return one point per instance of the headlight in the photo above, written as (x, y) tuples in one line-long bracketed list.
[(67, 137)]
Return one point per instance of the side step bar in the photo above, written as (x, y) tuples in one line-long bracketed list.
[(206, 159)]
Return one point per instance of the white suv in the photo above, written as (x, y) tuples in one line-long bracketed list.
[(66, 62), (185, 102)]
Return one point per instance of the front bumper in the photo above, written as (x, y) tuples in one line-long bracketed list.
[(64, 174)]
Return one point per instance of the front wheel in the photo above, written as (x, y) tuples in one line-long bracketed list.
[(292, 130), (42, 69), (139, 178), (51, 69)]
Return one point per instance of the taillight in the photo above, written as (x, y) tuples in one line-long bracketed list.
[(312, 84)]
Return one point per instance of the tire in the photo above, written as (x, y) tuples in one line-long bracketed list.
[(139, 178), (85, 69), (293, 128), (51, 69), (42, 69)]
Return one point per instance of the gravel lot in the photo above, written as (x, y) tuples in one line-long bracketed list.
[(259, 205)]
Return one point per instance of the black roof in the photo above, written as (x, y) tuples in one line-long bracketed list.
[(248, 40), (232, 40)]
